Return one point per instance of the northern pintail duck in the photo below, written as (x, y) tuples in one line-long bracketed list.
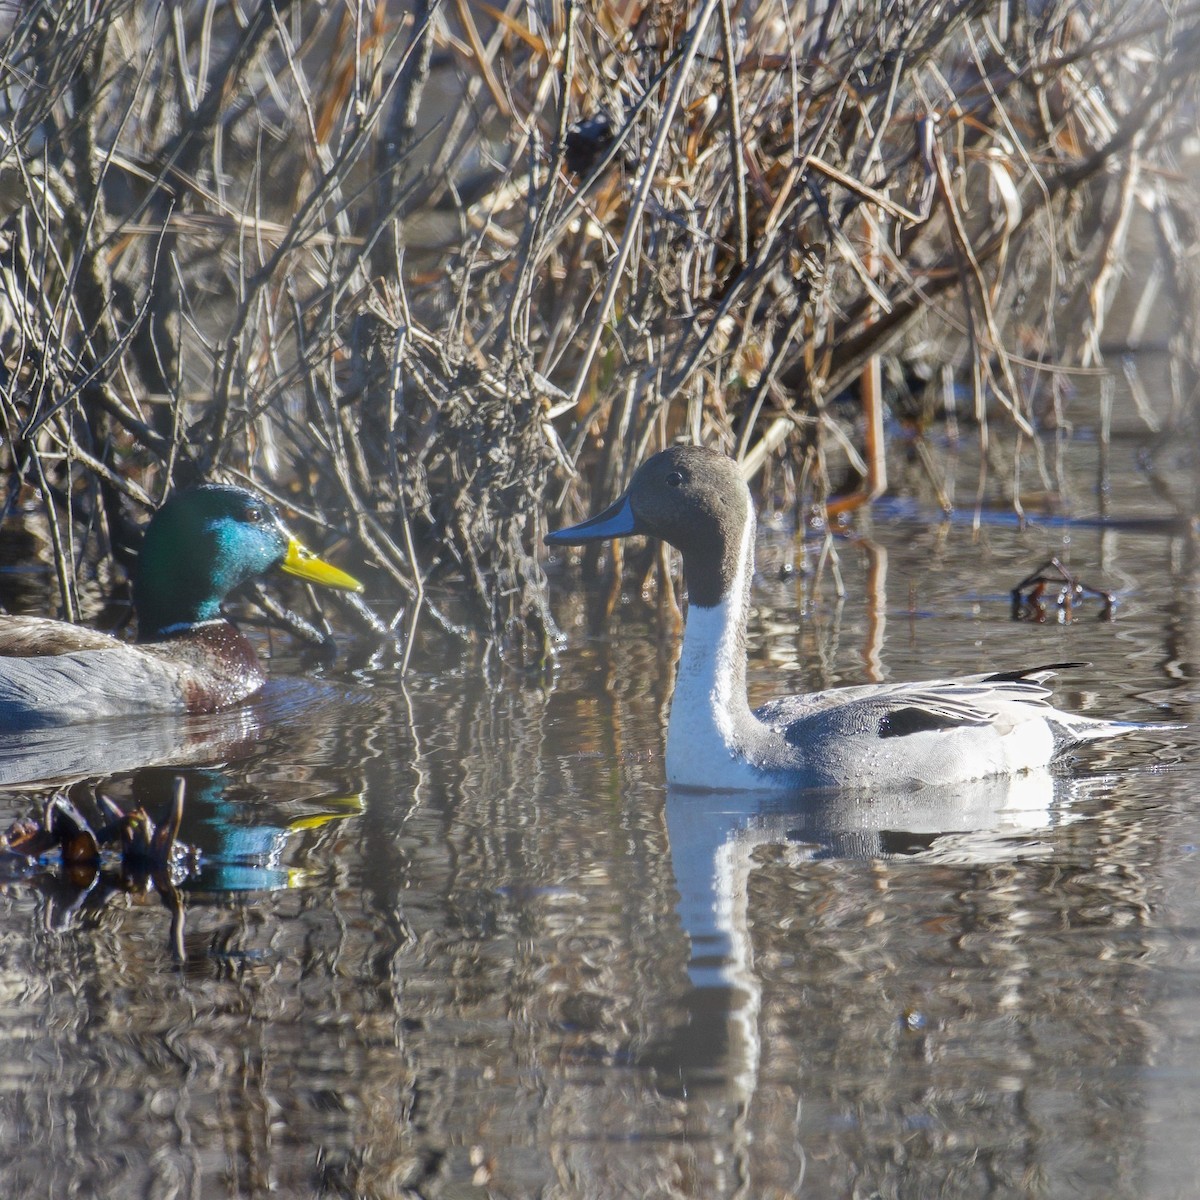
[(889, 735), (199, 547)]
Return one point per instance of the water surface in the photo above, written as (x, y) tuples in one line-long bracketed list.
[(459, 938)]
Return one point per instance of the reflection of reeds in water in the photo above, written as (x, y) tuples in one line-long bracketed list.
[(398, 268), (485, 977)]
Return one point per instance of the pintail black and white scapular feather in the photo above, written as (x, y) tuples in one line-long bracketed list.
[(939, 732)]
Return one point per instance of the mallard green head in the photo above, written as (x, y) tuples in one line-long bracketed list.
[(205, 542)]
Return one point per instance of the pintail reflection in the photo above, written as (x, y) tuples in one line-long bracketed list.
[(718, 841)]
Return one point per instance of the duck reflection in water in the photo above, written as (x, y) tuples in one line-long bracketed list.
[(246, 841), (181, 831), (717, 840)]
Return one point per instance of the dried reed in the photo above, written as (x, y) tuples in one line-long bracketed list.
[(401, 266)]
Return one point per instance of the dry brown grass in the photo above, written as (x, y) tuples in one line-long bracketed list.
[(402, 267)]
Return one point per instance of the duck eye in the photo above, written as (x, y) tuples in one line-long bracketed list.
[(254, 515), (674, 479)]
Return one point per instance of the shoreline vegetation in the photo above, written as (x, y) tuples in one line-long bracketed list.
[(436, 275)]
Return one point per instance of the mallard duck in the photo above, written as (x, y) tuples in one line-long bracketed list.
[(200, 546), (890, 735)]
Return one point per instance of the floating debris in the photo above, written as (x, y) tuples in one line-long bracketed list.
[(78, 865), (1053, 588)]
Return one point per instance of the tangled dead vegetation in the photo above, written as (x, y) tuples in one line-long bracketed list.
[(405, 267)]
